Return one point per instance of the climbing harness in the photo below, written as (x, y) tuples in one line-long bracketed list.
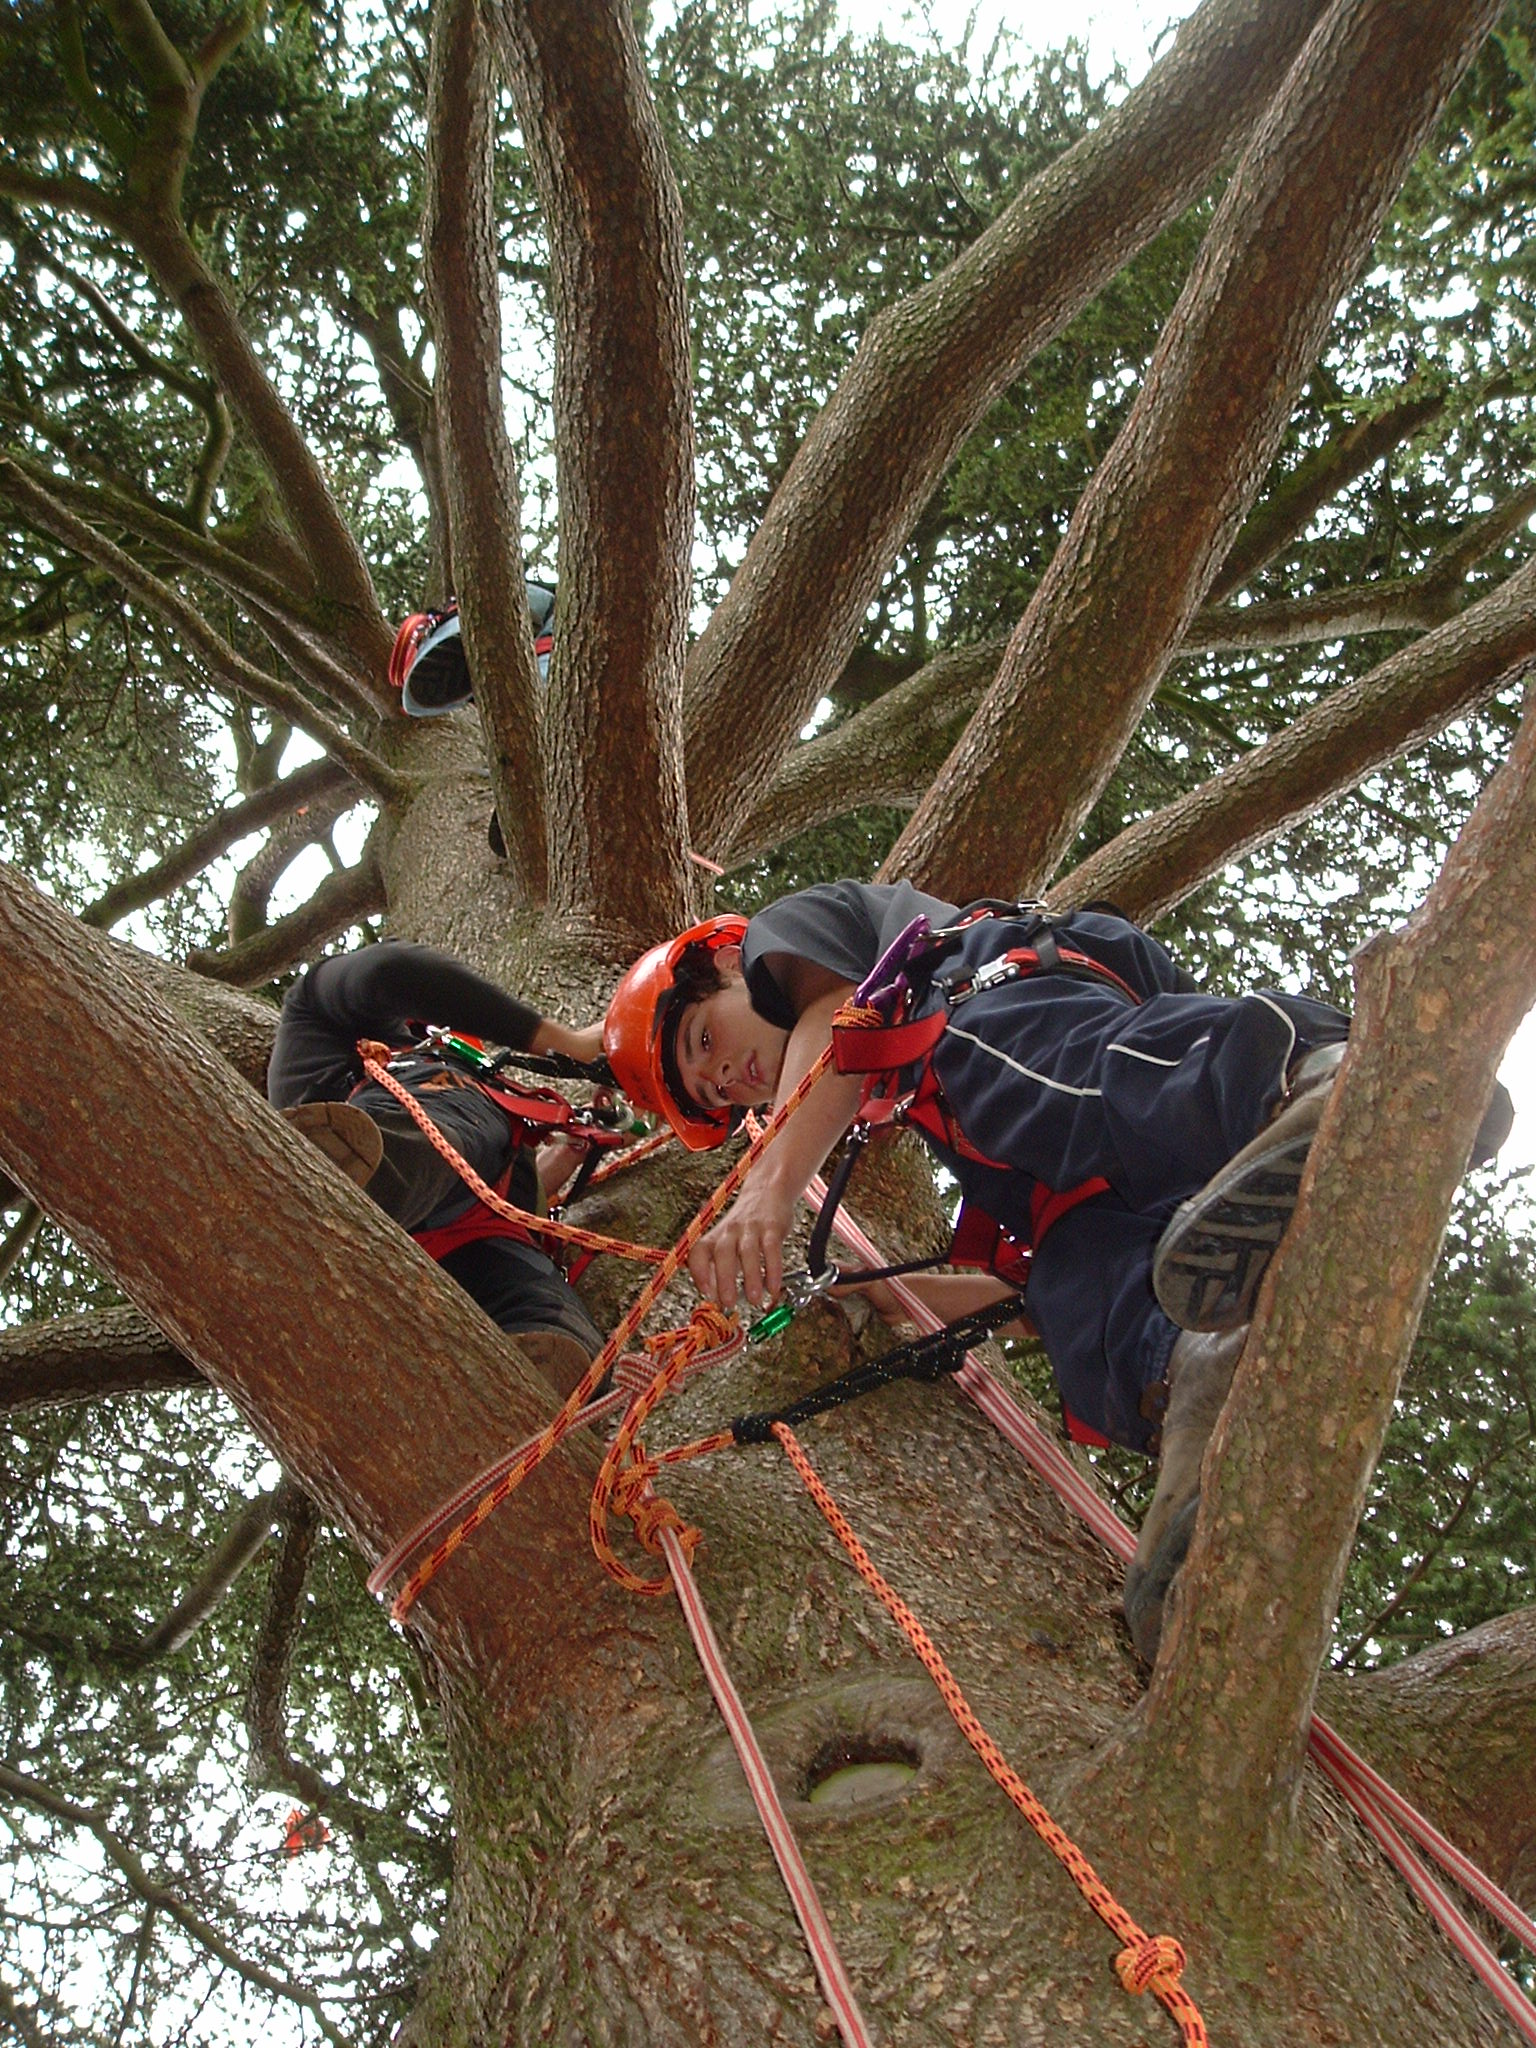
[(540, 1112)]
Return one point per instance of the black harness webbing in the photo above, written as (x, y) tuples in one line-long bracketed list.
[(924, 1358)]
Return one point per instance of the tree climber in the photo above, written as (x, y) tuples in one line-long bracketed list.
[(428, 666), (1143, 1141), (316, 1078)]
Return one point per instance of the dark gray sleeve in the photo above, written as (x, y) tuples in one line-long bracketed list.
[(842, 926), (380, 993)]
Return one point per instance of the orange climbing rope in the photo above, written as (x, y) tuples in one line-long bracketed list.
[(1148, 1962), (545, 1226), (670, 1263)]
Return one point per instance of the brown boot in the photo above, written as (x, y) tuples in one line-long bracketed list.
[(560, 1357), (386, 1152), (1200, 1370), (348, 1137)]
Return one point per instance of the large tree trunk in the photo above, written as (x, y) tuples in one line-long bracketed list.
[(611, 1883)]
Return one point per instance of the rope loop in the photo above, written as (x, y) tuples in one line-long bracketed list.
[(1155, 1962), (624, 1481)]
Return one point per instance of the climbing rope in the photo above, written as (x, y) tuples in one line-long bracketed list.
[(786, 1850), (1147, 1962), (670, 1263), (626, 1484)]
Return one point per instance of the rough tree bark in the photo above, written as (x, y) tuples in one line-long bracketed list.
[(1164, 506)]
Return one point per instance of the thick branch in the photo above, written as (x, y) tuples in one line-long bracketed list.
[(319, 783), (341, 901), (925, 373), (1151, 865), (86, 1358), (330, 1328), (1455, 1728), (1289, 1465), (886, 753), (1147, 535), (459, 235), (624, 455), (197, 637)]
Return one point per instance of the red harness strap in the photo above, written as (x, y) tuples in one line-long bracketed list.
[(535, 1114), (477, 1222), (882, 1051)]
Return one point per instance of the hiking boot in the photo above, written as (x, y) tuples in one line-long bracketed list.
[(348, 1137), (1200, 1370), (386, 1153), (559, 1357), (1211, 1258), (1213, 1255)]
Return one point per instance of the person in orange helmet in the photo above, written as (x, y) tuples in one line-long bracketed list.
[(1143, 1141)]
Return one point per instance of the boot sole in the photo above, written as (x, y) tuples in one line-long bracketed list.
[(1214, 1254), (348, 1137)]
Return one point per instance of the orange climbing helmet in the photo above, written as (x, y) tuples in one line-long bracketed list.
[(640, 1034)]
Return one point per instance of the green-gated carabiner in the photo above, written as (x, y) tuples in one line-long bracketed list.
[(800, 1289)]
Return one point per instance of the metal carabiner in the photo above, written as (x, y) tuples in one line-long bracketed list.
[(800, 1289)]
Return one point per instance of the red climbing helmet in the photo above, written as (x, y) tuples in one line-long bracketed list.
[(640, 1034)]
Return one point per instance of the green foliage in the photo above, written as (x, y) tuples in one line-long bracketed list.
[(107, 1517), (1447, 1538)]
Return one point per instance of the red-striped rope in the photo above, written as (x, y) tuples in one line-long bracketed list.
[(835, 1986), (1386, 1814)]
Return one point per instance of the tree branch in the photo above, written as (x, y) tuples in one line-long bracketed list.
[(624, 457), (72, 1359), (1286, 511), (14, 1244), (1289, 1464), (271, 1761), (319, 783), (243, 1541), (224, 664), (1153, 864), (484, 500), (1456, 1724), (1157, 519), (342, 900), (250, 898), (338, 1298), (162, 1897), (925, 373), (886, 753)]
